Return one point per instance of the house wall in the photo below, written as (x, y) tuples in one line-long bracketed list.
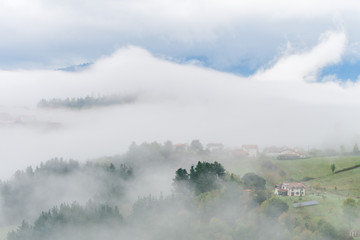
[(296, 192), (291, 191), (252, 152)]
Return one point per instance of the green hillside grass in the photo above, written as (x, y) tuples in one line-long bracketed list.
[(345, 183), (315, 167), (330, 190), (240, 166), (329, 208)]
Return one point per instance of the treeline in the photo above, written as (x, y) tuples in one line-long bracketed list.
[(86, 102), (230, 208), (146, 155), (55, 181), (207, 202), (66, 219)]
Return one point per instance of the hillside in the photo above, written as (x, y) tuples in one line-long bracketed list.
[(315, 167), (329, 189), (344, 183)]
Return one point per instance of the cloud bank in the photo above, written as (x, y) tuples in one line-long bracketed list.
[(176, 102), (227, 35)]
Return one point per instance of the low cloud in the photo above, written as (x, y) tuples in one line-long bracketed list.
[(228, 34), (305, 66), (178, 103)]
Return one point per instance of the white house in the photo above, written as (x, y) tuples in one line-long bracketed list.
[(290, 154), (251, 150), (215, 147), (290, 189)]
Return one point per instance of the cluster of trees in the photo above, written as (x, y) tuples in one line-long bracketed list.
[(216, 198), (207, 202), (148, 155), (86, 102), (30, 191), (202, 178), (67, 219)]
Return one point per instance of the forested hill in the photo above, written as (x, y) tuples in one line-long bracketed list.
[(86, 102), (69, 200), (56, 181)]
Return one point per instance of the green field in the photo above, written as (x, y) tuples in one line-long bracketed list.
[(329, 189), (344, 183), (240, 166), (315, 167)]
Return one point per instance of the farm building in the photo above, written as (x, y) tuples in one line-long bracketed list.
[(215, 147), (251, 150), (290, 189), (290, 154)]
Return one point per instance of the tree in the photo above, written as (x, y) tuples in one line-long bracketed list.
[(112, 168), (196, 146), (203, 178), (253, 181), (333, 168), (356, 149), (259, 196), (167, 149), (350, 210), (69, 218), (327, 230), (181, 175), (274, 207)]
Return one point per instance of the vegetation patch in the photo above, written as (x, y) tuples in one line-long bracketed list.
[(86, 102)]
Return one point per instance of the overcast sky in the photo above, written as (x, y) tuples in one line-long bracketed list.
[(236, 72), (231, 36)]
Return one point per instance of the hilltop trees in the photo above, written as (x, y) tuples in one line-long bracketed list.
[(86, 102), (203, 177), (181, 175), (30, 191), (69, 219), (208, 202), (196, 146)]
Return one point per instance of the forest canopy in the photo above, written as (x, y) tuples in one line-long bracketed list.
[(86, 102), (66, 199)]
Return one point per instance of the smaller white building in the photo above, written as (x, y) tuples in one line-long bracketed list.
[(290, 154), (215, 147), (251, 150), (290, 189)]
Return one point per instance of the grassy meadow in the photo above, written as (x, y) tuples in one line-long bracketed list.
[(344, 183), (329, 189)]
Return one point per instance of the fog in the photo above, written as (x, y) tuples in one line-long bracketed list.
[(278, 105), (145, 212)]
